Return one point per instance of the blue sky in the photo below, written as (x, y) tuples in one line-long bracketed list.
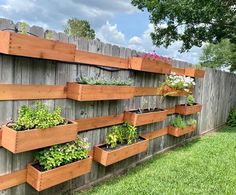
[(115, 21)]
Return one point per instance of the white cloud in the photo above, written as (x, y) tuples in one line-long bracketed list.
[(110, 33), (144, 43)]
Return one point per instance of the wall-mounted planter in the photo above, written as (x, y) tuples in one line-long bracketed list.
[(107, 157), (178, 71), (27, 140), (81, 92), (42, 180), (31, 46), (186, 110), (177, 132), (166, 90), (136, 118), (199, 73), (190, 72), (149, 65)]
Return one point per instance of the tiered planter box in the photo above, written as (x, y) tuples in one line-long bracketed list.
[(31, 46), (149, 65), (190, 72), (42, 180), (81, 92), (108, 157), (178, 71), (186, 110), (146, 117), (177, 132), (174, 92), (199, 73), (21, 141)]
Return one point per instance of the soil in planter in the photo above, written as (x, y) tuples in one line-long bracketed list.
[(188, 105), (41, 169), (147, 110), (119, 145)]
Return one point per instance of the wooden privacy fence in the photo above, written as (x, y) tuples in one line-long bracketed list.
[(33, 68)]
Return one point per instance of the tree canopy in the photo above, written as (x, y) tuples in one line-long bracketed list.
[(219, 55), (79, 28), (191, 21)]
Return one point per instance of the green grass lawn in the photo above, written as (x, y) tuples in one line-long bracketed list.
[(205, 166)]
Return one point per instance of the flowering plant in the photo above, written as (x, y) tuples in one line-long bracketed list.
[(155, 56), (179, 82)]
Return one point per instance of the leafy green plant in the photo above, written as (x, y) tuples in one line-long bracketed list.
[(190, 100), (199, 66), (124, 133), (102, 81), (38, 117), (62, 154), (231, 120), (49, 35), (179, 122), (191, 121), (23, 26)]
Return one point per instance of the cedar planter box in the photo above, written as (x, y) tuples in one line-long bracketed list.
[(42, 180), (31, 46), (82, 92), (177, 132), (146, 117), (21, 141), (190, 72), (108, 157), (178, 71), (184, 109), (149, 65), (174, 92), (199, 73)]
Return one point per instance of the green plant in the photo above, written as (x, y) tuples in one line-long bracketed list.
[(231, 120), (190, 100), (124, 133), (62, 154), (179, 122), (38, 117), (102, 81), (23, 26), (49, 35), (191, 121), (198, 66)]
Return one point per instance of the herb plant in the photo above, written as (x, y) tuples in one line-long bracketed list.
[(62, 154), (102, 81), (180, 122), (231, 120), (190, 100), (38, 117), (23, 26), (124, 133)]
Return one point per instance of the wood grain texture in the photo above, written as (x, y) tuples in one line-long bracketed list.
[(156, 133), (12, 179), (110, 157), (0, 137), (187, 110), (177, 132), (24, 92), (46, 179), (21, 141)]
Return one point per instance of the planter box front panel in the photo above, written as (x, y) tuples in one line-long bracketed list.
[(190, 72), (110, 157), (30, 46), (21, 141), (149, 65), (43, 180), (199, 73), (187, 110), (174, 92), (81, 92), (145, 118), (177, 132)]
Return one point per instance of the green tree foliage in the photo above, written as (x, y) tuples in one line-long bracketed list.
[(193, 22), (219, 55), (79, 28)]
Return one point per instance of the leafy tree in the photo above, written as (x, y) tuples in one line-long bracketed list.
[(191, 21), (79, 28), (219, 55)]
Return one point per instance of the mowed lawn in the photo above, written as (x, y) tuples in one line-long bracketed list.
[(205, 166)]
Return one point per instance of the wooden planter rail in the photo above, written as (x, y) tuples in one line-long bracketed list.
[(35, 47)]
